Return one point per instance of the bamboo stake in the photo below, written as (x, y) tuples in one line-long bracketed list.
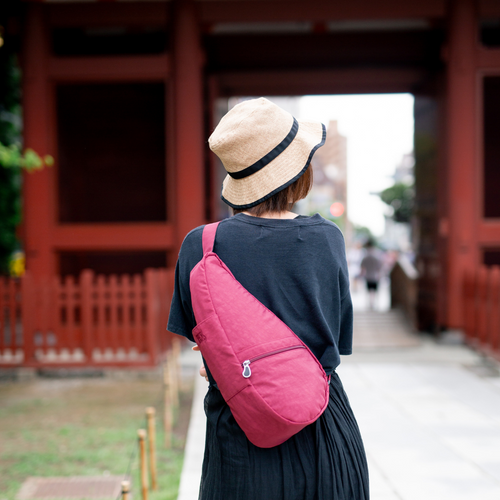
[(176, 349), (173, 378), (143, 463), (125, 490), (167, 409), (150, 415)]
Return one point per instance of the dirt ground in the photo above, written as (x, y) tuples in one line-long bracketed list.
[(85, 426)]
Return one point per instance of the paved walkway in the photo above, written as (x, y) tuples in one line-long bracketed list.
[(429, 414)]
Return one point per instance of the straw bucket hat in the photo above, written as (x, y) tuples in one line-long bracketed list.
[(264, 149)]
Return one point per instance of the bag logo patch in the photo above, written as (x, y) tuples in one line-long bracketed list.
[(200, 338)]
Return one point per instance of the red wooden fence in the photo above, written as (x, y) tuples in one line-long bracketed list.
[(95, 321), (481, 309)]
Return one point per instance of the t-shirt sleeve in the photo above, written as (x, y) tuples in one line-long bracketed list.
[(346, 324), (181, 318), (346, 314)]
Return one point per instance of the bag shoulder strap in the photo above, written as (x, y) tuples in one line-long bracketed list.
[(209, 237)]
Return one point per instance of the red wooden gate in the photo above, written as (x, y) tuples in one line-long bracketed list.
[(481, 309), (95, 321)]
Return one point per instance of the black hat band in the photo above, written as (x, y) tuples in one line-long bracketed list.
[(270, 156)]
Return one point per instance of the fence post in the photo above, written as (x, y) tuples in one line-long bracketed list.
[(44, 302), (164, 301), (143, 464), (176, 349), (482, 306), (469, 296), (168, 412), (3, 286), (86, 281), (150, 415), (126, 339), (170, 279), (494, 308), (114, 339), (153, 308), (70, 328), (125, 490), (27, 315), (174, 376), (11, 313)]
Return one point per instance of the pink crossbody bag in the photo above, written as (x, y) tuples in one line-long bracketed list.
[(272, 382)]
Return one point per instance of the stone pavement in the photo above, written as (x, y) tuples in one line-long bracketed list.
[(67, 488), (431, 428), (195, 442), (429, 413)]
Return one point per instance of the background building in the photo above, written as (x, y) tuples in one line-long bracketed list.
[(330, 174), (398, 235)]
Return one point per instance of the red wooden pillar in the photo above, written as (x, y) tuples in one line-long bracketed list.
[(461, 127), (38, 210), (189, 133), (215, 185)]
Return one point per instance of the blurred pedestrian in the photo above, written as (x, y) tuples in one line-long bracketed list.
[(354, 257), (296, 266), (371, 270)]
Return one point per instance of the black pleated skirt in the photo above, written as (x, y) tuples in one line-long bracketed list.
[(324, 461)]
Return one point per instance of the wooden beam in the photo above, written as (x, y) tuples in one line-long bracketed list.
[(489, 233), (116, 68), (488, 58), (125, 236), (315, 51), (108, 14), (223, 11), (489, 8), (348, 81)]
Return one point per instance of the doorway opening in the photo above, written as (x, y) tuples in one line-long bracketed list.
[(363, 179)]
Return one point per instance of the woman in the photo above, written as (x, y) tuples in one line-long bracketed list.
[(296, 267)]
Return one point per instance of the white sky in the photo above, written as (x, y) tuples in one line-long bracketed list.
[(379, 131)]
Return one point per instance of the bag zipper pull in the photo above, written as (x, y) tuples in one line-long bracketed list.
[(246, 369)]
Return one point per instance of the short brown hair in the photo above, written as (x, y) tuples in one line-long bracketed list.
[(285, 199)]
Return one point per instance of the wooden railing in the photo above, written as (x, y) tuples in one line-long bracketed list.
[(404, 286), (481, 309), (95, 320)]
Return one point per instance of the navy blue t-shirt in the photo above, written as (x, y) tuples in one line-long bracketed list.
[(296, 267)]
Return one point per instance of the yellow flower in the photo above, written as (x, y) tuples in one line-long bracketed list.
[(17, 264)]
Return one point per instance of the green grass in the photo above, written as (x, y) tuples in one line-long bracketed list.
[(84, 427)]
